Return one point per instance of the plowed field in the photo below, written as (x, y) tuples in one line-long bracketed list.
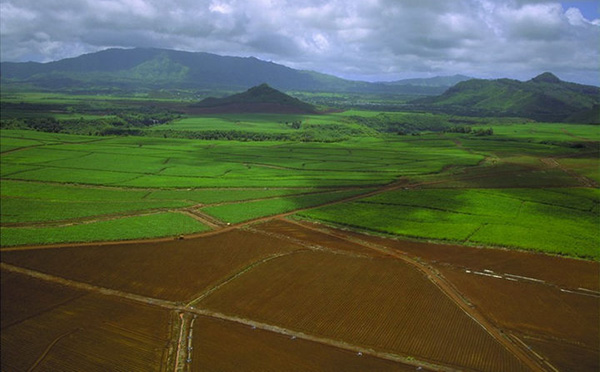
[(551, 303), (174, 270), (295, 296), (376, 303), (227, 346), (83, 333)]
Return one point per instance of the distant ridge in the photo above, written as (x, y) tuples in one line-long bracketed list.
[(259, 99), (436, 81), (145, 69), (543, 98)]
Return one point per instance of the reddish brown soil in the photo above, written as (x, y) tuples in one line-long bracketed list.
[(565, 326), (226, 346), (377, 303), (561, 271), (289, 229), (532, 308), (88, 333), (344, 291), (172, 270), (566, 357), (541, 308), (34, 297)]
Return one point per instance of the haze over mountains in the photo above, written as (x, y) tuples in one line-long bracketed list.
[(142, 68)]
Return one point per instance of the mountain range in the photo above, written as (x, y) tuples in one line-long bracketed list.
[(543, 98), (142, 69)]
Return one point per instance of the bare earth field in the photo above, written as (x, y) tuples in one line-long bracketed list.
[(70, 330), (284, 295)]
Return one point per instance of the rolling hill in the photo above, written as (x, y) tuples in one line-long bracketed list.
[(143, 69), (543, 98), (258, 99)]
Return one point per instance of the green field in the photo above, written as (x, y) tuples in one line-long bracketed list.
[(235, 213), (560, 221), (527, 186), (137, 227)]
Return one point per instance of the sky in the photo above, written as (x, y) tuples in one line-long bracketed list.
[(372, 40)]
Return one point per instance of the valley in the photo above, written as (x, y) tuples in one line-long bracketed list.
[(147, 234)]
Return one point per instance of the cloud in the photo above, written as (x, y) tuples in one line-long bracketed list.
[(362, 39)]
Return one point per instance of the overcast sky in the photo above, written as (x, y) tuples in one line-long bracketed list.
[(357, 39)]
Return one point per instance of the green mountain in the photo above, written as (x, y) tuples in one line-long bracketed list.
[(261, 98), (543, 98), (144, 69)]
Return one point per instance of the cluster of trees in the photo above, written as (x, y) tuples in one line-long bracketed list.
[(146, 116), (296, 124), (466, 129), (311, 133), (121, 122), (483, 132), (458, 129), (404, 123), (225, 135)]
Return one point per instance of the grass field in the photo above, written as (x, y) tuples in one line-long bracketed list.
[(235, 213), (561, 221), (60, 187), (135, 227), (66, 188)]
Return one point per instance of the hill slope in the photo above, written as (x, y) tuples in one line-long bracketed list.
[(146, 68), (261, 98), (437, 81), (543, 98)]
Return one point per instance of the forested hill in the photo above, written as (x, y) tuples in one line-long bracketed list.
[(261, 98), (147, 68), (543, 98)]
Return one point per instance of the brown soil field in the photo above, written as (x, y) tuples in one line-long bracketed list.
[(87, 333), (571, 320), (23, 297), (378, 303), (560, 325), (311, 237), (562, 271), (565, 357), (220, 345), (337, 291), (174, 270)]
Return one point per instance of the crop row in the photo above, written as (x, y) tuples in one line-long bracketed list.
[(144, 162), (376, 303)]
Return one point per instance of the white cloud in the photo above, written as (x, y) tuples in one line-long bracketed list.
[(366, 39)]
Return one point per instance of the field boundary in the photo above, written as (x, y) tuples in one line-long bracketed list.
[(445, 287), (183, 312)]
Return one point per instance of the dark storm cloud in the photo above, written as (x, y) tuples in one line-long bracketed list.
[(367, 39)]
